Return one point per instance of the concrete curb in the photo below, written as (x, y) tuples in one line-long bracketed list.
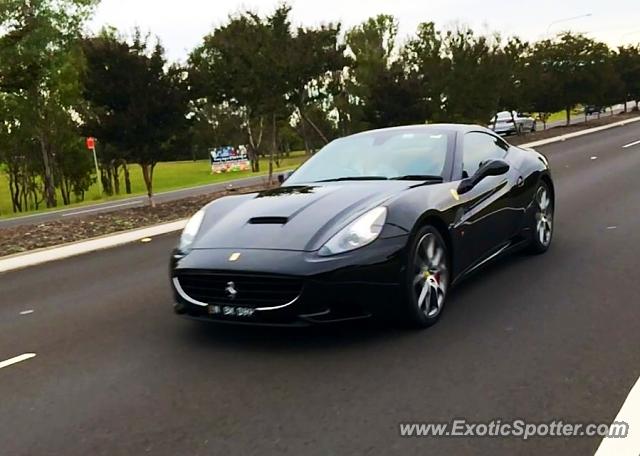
[(24, 260), (28, 259), (588, 131)]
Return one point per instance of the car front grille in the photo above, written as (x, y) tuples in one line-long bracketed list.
[(252, 290)]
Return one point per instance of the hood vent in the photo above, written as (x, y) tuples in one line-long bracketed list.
[(268, 220)]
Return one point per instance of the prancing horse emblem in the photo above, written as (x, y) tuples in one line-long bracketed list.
[(231, 290)]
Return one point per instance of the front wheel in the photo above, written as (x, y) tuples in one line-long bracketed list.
[(542, 228), (426, 279)]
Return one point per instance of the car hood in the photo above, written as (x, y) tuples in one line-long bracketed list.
[(298, 218)]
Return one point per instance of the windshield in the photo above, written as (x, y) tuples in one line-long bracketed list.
[(386, 154)]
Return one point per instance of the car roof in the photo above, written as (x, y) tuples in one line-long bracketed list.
[(448, 127)]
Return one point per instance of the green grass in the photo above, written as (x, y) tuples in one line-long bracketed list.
[(167, 176), (562, 115)]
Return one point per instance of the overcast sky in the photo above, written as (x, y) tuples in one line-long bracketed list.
[(181, 24)]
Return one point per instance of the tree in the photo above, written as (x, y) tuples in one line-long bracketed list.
[(475, 77), (571, 67), (312, 57), (424, 62), (383, 93), (540, 85), (627, 66), (239, 65), (40, 66), (136, 105)]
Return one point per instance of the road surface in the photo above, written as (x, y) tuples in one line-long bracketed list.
[(539, 338)]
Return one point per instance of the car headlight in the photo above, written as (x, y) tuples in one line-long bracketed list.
[(191, 230), (362, 231)]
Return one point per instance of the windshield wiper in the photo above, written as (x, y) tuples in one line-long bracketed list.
[(419, 177), (354, 178)]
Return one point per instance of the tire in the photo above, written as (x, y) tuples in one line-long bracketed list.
[(426, 280), (542, 221)]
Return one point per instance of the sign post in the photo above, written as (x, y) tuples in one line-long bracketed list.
[(91, 145)]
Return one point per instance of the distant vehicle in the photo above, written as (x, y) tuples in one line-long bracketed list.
[(593, 109), (503, 124), (379, 223)]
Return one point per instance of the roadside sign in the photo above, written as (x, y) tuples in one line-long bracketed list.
[(91, 143)]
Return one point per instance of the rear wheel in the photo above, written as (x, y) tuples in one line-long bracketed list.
[(427, 279), (542, 229)]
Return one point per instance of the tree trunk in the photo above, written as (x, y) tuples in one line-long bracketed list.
[(64, 191), (116, 176), (568, 111), (515, 124), (127, 179), (147, 175), (274, 145), (314, 126), (254, 145), (305, 136), (14, 189), (49, 188)]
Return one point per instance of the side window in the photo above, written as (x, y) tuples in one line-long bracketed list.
[(478, 148)]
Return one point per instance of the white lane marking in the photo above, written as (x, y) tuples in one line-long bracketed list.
[(635, 143), (612, 227), (630, 414), (26, 312), (17, 359), (594, 158), (86, 211)]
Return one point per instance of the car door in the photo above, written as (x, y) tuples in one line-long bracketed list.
[(487, 215)]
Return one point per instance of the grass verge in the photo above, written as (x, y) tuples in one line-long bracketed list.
[(167, 176)]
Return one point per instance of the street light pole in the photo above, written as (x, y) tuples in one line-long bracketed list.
[(95, 161), (567, 19)]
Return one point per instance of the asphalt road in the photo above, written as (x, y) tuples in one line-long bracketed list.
[(128, 202), (540, 338)]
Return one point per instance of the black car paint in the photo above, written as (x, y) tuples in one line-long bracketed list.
[(491, 218)]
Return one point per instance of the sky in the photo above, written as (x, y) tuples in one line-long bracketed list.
[(181, 24)]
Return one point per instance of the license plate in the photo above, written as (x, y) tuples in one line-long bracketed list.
[(231, 311)]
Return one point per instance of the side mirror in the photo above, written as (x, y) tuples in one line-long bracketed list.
[(488, 168), (284, 177)]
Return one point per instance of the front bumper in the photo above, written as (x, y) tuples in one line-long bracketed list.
[(354, 285)]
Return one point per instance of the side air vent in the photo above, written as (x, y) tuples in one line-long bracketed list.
[(268, 220)]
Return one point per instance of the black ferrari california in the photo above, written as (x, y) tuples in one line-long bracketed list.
[(382, 223)]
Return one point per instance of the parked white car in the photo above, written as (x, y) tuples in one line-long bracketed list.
[(503, 124)]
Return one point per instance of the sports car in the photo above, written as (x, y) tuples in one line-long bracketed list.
[(382, 223)]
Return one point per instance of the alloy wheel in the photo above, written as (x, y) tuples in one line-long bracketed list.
[(544, 217), (430, 275)]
